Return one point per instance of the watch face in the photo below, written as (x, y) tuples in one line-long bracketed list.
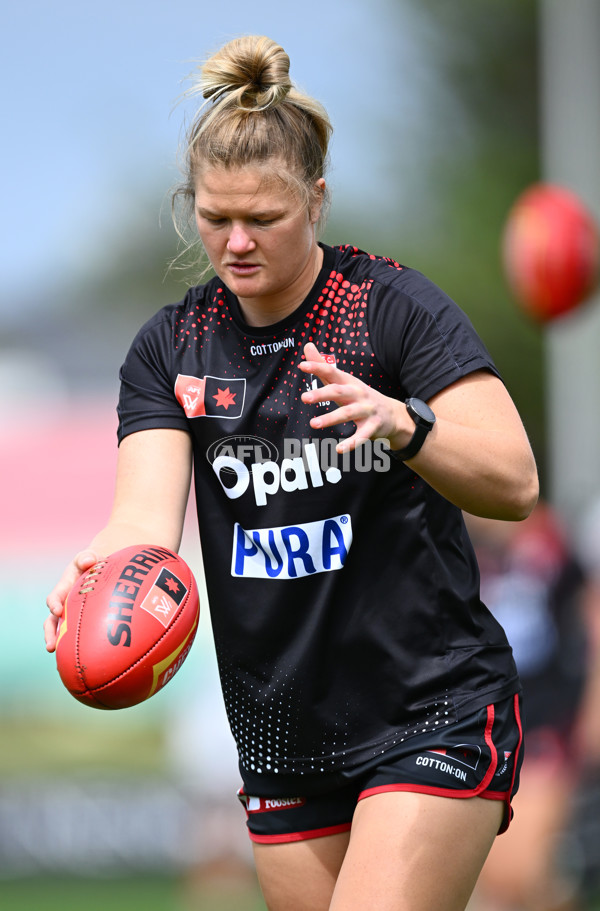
[(420, 411)]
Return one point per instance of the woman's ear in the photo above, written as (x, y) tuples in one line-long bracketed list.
[(317, 200)]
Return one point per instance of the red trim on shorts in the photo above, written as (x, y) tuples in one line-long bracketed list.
[(299, 836), (481, 789), (506, 796), (420, 789), (495, 795), (518, 750), (509, 812)]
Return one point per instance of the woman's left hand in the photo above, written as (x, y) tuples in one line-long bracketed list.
[(375, 415), (477, 455)]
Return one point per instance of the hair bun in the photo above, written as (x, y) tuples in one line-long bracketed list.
[(253, 116), (254, 71)]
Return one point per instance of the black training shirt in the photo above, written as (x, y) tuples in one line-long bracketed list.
[(343, 592)]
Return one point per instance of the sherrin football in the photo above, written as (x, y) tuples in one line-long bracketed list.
[(128, 626)]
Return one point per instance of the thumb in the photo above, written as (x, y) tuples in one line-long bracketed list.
[(85, 559)]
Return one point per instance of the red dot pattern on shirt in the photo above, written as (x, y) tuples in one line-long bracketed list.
[(336, 322), (191, 325)]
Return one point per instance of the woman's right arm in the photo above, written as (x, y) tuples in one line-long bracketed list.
[(154, 469)]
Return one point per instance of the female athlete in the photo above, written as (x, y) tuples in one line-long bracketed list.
[(339, 412)]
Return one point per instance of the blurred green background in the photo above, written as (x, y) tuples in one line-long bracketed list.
[(437, 130)]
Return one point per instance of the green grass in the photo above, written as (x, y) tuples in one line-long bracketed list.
[(139, 893), (130, 893), (50, 893)]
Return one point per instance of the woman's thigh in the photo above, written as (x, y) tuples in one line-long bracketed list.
[(300, 875), (415, 852), (406, 852)]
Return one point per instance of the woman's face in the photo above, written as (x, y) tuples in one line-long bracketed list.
[(258, 236)]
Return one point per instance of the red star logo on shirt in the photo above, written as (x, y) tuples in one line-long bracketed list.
[(172, 585), (225, 398)]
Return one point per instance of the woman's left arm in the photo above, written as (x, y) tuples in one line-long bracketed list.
[(477, 455)]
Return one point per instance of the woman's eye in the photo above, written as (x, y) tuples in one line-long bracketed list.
[(211, 219)]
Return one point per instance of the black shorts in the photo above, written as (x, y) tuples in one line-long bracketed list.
[(478, 756)]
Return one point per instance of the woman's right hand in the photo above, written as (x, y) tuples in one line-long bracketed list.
[(57, 597), (154, 468)]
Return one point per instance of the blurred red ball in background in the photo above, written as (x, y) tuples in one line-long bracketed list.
[(551, 251)]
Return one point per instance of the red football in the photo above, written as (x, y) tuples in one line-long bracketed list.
[(551, 251), (129, 623)]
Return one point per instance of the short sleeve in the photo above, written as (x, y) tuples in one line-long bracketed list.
[(421, 337), (147, 396)]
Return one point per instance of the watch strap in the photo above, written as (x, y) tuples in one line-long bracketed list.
[(424, 419), (412, 448)]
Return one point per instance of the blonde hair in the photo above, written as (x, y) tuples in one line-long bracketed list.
[(252, 114)]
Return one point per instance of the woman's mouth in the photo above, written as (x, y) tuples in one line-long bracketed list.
[(240, 268)]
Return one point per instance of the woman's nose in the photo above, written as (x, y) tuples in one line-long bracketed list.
[(240, 240)]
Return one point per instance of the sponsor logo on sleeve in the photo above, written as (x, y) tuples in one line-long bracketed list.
[(210, 396)]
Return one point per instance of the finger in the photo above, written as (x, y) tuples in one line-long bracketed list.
[(321, 369), (85, 559), (359, 438), (315, 362), (341, 394), (81, 562), (311, 352), (349, 444), (340, 415), (350, 408), (57, 596), (50, 627)]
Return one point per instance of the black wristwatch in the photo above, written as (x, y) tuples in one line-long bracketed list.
[(424, 419)]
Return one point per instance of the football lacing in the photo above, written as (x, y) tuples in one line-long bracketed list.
[(90, 577)]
